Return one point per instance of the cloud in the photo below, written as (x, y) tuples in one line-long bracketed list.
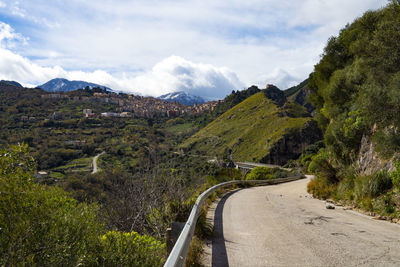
[(177, 74), (257, 39), (280, 78), (171, 74), (9, 38)]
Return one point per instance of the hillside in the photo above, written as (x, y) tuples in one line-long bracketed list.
[(356, 94), (254, 130)]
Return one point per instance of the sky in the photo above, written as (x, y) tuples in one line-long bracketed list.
[(152, 47)]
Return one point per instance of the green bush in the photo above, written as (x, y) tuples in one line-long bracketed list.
[(260, 173), (41, 225), (373, 185), (321, 188), (44, 226), (130, 249), (321, 166), (395, 175), (265, 173)]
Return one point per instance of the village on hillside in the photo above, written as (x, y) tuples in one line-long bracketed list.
[(135, 106)]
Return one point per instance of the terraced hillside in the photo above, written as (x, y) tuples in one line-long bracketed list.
[(254, 130)]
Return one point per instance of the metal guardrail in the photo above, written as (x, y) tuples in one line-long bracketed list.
[(178, 254)]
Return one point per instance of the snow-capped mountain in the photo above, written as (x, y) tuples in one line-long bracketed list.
[(64, 85), (183, 98)]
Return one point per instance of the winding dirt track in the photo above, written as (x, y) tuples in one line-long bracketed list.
[(282, 225)]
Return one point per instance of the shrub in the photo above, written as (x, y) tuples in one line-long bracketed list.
[(395, 175), (260, 173), (44, 226), (41, 225), (372, 185), (321, 188), (130, 249), (321, 166), (194, 253), (265, 173)]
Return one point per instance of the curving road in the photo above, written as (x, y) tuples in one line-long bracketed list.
[(94, 162), (282, 225)]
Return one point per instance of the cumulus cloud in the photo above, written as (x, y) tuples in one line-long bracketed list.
[(177, 74), (280, 78), (9, 38), (263, 41), (172, 74)]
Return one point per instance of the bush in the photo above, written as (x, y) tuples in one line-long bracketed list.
[(395, 175), (321, 188), (130, 249), (265, 173), (373, 185), (321, 166), (44, 226), (260, 173), (41, 225)]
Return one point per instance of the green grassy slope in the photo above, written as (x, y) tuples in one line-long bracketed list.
[(249, 129)]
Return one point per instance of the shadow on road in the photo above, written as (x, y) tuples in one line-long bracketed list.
[(219, 255)]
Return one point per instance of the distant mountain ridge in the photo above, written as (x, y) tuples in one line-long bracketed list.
[(14, 83), (183, 98), (64, 85)]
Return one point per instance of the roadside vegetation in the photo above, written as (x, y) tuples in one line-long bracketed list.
[(265, 173), (356, 94)]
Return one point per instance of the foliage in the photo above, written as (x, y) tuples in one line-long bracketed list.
[(321, 165), (249, 129), (395, 175), (355, 91), (295, 110), (294, 89), (41, 225), (194, 253), (373, 185), (130, 249), (310, 151), (265, 173), (321, 188)]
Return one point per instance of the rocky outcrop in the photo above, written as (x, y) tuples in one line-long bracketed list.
[(292, 144), (302, 98), (275, 94), (369, 161)]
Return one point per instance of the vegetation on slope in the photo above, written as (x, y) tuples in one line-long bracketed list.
[(247, 131), (356, 93), (44, 226)]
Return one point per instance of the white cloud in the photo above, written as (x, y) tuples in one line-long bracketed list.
[(9, 38), (178, 74), (280, 78), (257, 39), (171, 74), (2, 4)]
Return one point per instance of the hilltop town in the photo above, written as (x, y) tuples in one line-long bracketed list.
[(133, 105)]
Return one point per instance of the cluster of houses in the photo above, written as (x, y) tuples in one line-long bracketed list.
[(137, 106)]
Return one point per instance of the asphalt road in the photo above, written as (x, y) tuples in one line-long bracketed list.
[(282, 225), (94, 163)]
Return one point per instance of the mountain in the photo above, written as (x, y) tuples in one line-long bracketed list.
[(14, 83), (183, 98), (64, 85), (258, 129), (300, 94)]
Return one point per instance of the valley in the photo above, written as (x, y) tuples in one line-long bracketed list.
[(95, 175)]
